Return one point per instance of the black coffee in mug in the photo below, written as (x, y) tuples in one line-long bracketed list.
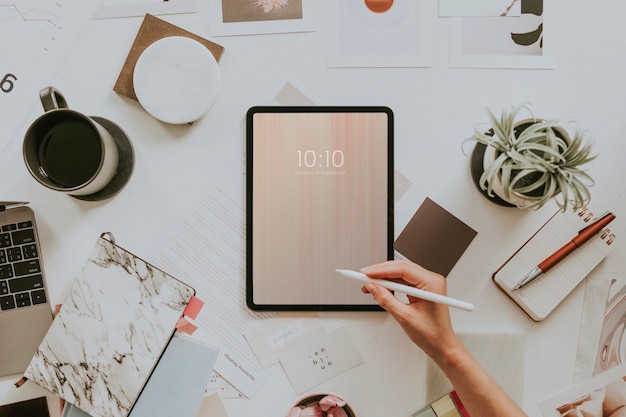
[(70, 153), (67, 151)]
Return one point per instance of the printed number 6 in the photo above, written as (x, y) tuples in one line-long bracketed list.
[(7, 83)]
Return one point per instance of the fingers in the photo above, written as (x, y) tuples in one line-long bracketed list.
[(426, 323), (384, 298), (408, 272)]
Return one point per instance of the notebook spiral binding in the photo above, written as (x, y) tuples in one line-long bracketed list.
[(605, 234)]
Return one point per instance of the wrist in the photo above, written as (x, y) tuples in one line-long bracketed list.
[(450, 355)]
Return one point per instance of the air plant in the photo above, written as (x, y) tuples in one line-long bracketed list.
[(535, 160)]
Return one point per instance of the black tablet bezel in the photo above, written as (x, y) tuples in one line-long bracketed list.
[(249, 204)]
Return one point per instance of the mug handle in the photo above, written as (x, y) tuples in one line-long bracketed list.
[(52, 99)]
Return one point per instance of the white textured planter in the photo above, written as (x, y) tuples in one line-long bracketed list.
[(482, 156), (514, 199)]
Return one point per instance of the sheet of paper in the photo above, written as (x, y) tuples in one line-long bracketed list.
[(126, 8), (207, 251), (289, 92), (215, 268), (321, 359), (360, 37), (479, 8), (37, 36)]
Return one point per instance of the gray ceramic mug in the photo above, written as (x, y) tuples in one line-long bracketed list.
[(68, 151)]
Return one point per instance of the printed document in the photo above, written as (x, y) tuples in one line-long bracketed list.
[(37, 36)]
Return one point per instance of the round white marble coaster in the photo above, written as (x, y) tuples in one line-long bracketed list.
[(176, 79)]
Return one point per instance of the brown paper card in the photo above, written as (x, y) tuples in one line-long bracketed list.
[(434, 238), (152, 29)]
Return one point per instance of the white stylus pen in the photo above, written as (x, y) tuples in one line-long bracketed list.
[(415, 292)]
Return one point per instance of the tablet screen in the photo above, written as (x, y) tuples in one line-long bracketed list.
[(319, 198)]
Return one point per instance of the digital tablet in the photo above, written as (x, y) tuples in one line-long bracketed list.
[(319, 197)]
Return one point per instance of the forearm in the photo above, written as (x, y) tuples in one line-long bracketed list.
[(429, 326), (479, 393)]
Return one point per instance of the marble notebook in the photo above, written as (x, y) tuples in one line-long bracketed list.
[(176, 387), (110, 332)]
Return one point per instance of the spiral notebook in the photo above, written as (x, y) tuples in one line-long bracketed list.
[(110, 332), (542, 296)]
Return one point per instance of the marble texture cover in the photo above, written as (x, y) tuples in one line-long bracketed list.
[(110, 332)]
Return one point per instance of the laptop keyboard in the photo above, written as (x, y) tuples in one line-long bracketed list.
[(21, 283)]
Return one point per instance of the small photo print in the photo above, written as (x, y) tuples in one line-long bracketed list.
[(251, 17), (260, 10), (379, 33), (601, 396), (503, 36), (522, 41), (601, 402)]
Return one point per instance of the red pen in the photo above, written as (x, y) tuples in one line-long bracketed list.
[(582, 236)]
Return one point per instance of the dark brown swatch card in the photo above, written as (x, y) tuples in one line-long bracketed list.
[(36, 407), (434, 238)]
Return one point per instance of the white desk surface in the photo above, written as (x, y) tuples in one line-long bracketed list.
[(435, 108)]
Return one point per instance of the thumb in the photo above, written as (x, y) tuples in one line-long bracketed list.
[(384, 298)]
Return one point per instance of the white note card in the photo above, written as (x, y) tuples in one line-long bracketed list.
[(283, 333), (321, 359)]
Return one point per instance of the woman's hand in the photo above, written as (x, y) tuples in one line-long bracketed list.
[(426, 323)]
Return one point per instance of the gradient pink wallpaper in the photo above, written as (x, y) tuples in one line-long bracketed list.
[(320, 202)]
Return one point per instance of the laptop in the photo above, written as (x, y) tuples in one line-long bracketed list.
[(25, 312)]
